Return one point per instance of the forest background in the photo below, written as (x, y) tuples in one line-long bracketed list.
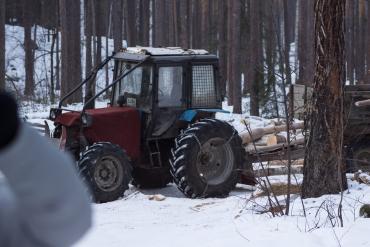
[(47, 46)]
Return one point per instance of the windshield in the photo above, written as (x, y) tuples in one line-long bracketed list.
[(136, 86)]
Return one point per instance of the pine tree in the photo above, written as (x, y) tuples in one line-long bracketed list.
[(117, 22), (29, 47), (71, 54), (324, 167)]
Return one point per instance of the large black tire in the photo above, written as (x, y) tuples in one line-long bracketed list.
[(207, 158), (106, 169), (150, 178)]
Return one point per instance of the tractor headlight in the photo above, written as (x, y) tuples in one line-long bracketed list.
[(54, 113), (86, 120), (53, 116)]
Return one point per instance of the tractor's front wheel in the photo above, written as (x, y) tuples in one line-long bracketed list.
[(106, 168), (207, 158)]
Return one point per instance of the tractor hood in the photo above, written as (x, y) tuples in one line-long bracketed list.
[(118, 125), (70, 119)]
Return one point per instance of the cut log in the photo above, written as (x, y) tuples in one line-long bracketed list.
[(277, 129), (253, 136), (258, 133), (251, 149), (363, 103), (273, 171), (274, 139), (262, 141)]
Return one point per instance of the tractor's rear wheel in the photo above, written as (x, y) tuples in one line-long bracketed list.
[(207, 158), (106, 169)]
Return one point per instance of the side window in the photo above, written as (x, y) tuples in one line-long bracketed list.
[(204, 91), (170, 86)]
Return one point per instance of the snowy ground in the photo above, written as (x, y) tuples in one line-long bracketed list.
[(233, 221)]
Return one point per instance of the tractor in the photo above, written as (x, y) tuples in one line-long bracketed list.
[(159, 127)]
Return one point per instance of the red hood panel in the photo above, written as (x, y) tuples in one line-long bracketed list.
[(118, 125)]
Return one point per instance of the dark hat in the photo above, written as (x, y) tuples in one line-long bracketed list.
[(9, 122)]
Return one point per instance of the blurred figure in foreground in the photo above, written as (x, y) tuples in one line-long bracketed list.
[(42, 201)]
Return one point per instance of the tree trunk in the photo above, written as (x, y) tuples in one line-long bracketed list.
[(183, 32), (189, 11), (213, 24), (287, 37), (196, 24), (361, 43), (324, 171), (222, 44), (271, 55), (350, 40), (57, 58), (144, 23), (2, 45), (52, 79), (306, 42), (131, 27), (159, 23), (117, 17), (71, 54), (255, 62), (235, 57), (368, 46), (29, 46), (171, 23), (204, 24), (230, 62), (88, 49)]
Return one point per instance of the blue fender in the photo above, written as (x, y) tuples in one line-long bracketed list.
[(189, 115)]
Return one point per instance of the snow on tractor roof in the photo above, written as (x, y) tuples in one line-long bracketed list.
[(162, 51)]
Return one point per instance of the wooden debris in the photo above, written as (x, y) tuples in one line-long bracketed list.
[(362, 178), (279, 189), (274, 171), (274, 139), (157, 197)]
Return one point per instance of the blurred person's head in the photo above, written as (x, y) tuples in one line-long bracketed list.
[(9, 122)]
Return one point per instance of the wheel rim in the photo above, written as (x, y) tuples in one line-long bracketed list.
[(362, 159), (108, 173), (215, 161)]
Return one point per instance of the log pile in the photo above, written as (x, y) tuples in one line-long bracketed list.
[(270, 138)]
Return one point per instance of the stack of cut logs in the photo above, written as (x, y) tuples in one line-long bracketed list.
[(270, 138)]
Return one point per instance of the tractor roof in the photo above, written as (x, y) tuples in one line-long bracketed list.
[(163, 54)]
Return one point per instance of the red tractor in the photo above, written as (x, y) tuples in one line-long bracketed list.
[(159, 127)]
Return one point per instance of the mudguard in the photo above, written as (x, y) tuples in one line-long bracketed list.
[(190, 114)]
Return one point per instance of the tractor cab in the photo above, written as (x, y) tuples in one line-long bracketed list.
[(159, 127), (168, 83)]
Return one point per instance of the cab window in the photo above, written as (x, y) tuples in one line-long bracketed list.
[(136, 86), (170, 81), (204, 89)]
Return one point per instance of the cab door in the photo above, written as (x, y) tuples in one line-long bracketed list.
[(170, 99)]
